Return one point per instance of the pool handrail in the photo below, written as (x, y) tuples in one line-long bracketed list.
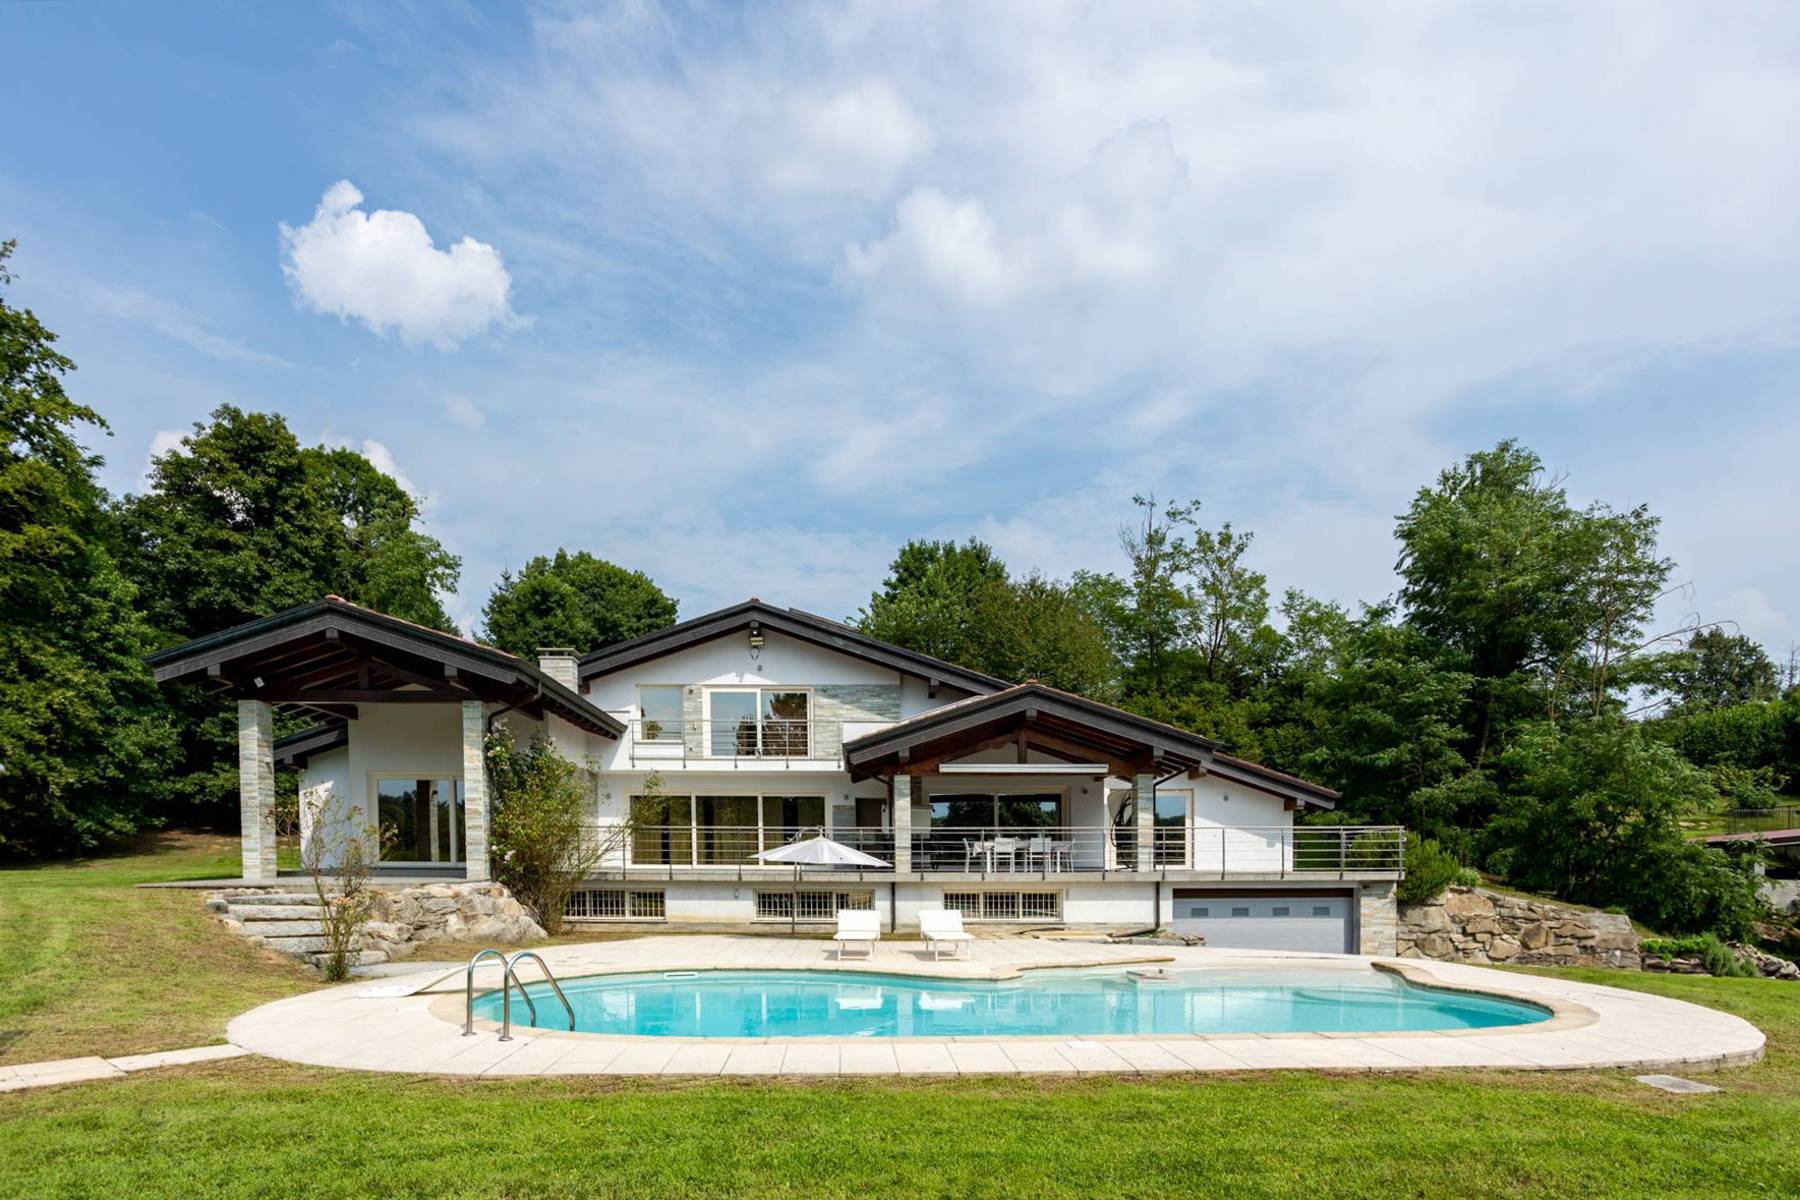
[(469, 987), (511, 977)]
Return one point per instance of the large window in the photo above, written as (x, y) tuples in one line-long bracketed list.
[(665, 830), (725, 828), (784, 817), (759, 722), (717, 830), (990, 810), (1171, 828), (659, 714), (421, 819)]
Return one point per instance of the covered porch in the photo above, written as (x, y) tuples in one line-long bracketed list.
[(390, 720)]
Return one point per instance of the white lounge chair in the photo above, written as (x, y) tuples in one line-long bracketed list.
[(857, 926), (941, 927)]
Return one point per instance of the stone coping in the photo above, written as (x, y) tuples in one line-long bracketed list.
[(1590, 1026)]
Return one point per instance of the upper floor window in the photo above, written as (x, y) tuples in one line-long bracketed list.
[(659, 714), (753, 722)]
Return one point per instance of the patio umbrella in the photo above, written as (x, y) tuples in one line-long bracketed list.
[(815, 851)]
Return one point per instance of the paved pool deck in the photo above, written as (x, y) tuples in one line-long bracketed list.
[(364, 1026)]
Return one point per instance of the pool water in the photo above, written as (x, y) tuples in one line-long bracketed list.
[(844, 1004)]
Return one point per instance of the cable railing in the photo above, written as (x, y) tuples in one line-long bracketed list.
[(1033, 850)]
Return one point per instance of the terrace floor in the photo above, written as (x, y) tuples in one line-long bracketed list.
[(363, 1026)]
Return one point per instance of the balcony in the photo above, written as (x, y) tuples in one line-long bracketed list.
[(731, 742), (1035, 852)]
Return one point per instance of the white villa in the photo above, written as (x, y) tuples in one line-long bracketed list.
[(1008, 802)]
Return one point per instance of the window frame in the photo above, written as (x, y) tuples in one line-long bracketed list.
[(458, 843), (680, 723)]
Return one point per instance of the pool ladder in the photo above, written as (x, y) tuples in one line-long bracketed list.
[(508, 977)]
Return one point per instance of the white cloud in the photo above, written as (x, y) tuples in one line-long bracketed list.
[(1287, 259), (382, 459), (948, 243), (173, 321), (382, 269), (161, 442), (464, 411), (855, 139)]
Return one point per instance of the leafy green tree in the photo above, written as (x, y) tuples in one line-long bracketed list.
[(1390, 726), (574, 600), (1591, 812), (240, 521), (389, 563), (83, 740), (1035, 628), (932, 597), (1719, 669), (1541, 599), (1188, 612)]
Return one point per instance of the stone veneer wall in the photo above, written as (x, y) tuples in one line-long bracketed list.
[(1473, 925), (835, 702), (1377, 920)]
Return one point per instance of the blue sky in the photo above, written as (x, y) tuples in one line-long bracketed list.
[(746, 296)]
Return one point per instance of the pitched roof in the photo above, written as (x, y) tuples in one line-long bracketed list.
[(965, 722), (821, 631), (323, 636)]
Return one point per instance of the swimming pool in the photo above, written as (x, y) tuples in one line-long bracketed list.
[(1074, 1003)]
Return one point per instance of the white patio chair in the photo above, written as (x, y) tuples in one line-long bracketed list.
[(857, 926), (1007, 848), (974, 848), (940, 927)]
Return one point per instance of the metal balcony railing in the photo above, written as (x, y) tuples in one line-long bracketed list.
[(768, 738), (1039, 850)]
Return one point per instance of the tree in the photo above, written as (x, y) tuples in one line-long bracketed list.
[(1036, 628), (1390, 724), (1190, 615), (240, 521), (574, 600), (1533, 593), (83, 740), (1231, 601), (931, 599), (389, 564), (1719, 669), (1591, 813)]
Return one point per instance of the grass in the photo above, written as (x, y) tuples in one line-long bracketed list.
[(256, 1128), (91, 964)]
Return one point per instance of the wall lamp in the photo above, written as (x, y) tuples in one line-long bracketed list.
[(756, 639)]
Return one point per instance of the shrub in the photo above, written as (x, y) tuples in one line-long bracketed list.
[(1718, 958), (540, 841), (1468, 877), (1429, 870), (1592, 815)]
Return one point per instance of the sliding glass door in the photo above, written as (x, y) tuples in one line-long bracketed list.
[(421, 820)]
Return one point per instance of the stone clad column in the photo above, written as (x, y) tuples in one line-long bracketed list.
[(902, 806), (475, 791), (256, 788), (1143, 800)]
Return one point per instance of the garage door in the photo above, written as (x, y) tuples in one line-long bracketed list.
[(1252, 922)]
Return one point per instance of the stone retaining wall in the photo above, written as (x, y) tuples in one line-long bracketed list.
[(1473, 925), (287, 918)]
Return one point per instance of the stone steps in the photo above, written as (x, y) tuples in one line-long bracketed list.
[(284, 929), (260, 913)]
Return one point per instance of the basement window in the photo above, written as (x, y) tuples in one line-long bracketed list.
[(615, 904)]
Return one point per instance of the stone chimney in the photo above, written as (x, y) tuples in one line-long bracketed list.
[(560, 664)]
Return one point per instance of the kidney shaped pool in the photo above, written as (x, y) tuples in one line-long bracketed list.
[(844, 1004)]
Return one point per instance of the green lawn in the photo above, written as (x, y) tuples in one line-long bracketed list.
[(91, 964), (256, 1128)]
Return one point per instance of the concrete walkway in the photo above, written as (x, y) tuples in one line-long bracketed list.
[(367, 1027), (76, 1070)]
